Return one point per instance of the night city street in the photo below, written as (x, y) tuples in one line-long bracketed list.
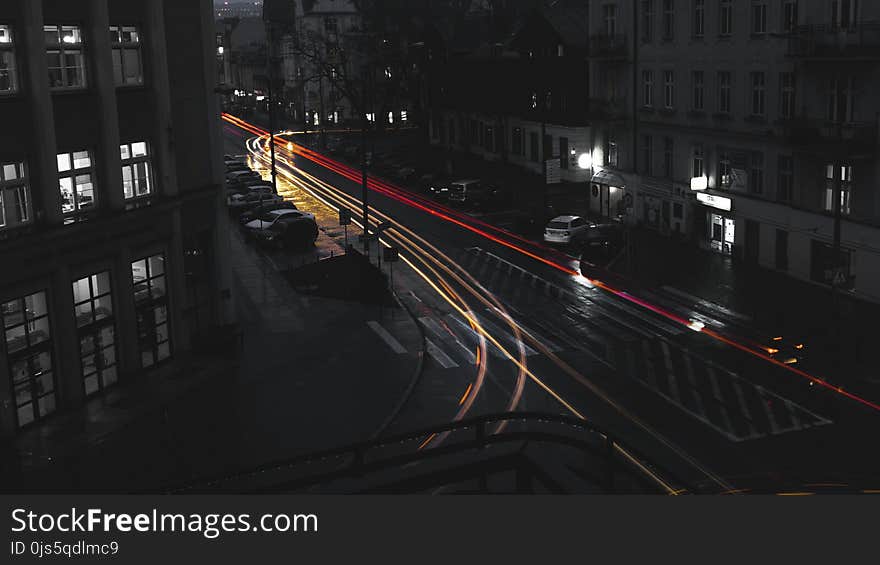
[(440, 247)]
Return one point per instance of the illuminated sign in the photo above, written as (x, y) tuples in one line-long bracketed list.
[(699, 183), (720, 202)]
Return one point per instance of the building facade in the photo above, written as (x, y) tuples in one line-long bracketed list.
[(111, 220), (750, 127), (522, 101)]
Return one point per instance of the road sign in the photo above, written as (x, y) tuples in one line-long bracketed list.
[(344, 216), (553, 171), (390, 254)]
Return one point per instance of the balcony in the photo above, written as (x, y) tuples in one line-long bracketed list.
[(609, 47), (858, 42), (851, 139)]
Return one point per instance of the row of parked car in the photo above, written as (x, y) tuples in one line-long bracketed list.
[(265, 216)]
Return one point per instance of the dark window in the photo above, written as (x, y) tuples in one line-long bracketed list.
[(647, 20), (668, 154), (28, 340), (151, 305), (786, 179), (563, 153), (533, 147), (93, 305), (781, 250), (647, 155), (699, 18), (668, 19)]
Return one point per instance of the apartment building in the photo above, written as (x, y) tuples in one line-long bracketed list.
[(322, 35), (748, 126), (111, 220), (523, 100)]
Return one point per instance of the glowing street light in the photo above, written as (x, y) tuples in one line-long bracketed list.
[(585, 161)]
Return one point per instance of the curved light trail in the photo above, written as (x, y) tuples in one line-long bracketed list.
[(545, 255)]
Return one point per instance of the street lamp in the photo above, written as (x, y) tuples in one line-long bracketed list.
[(585, 161)]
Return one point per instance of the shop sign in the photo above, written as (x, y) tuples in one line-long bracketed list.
[(720, 202)]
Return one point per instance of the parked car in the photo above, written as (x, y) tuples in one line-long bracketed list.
[(565, 229), (238, 176), (266, 220), (289, 232), (602, 242), (249, 186), (233, 166), (434, 185), (255, 213), (467, 191), (239, 203)]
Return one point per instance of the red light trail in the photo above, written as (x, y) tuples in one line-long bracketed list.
[(504, 238)]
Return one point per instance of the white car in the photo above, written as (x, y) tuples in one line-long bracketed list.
[(242, 201), (565, 229), (265, 221)]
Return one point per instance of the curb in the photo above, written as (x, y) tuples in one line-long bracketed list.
[(414, 379)]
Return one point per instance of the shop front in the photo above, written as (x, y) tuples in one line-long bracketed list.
[(719, 229), (606, 194)]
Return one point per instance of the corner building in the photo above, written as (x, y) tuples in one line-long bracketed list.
[(112, 263)]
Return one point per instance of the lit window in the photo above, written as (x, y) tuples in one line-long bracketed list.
[(93, 305), (403, 115), (75, 183), (15, 196), (66, 60), (699, 166), (137, 181), (846, 176), (28, 342), (8, 77), (125, 43), (151, 305)]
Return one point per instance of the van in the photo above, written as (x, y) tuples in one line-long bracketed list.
[(471, 190)]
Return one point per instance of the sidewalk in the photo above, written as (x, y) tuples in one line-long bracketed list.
[(304, 379)]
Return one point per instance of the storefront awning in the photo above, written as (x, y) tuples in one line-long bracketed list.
[(609, 178)]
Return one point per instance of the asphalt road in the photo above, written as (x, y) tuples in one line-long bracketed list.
[(511, 325)]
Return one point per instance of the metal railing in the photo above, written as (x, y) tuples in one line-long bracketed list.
[(474, 450)]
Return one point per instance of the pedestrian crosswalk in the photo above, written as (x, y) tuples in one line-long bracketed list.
[(620, 336)]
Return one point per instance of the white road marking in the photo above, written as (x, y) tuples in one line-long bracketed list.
[(445, 336), (386, 337), (438, 355)]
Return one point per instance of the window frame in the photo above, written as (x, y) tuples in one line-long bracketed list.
[(131, 162), (698, 97), (725, 89), (64, 48), (94, 329), (647, 88), (725, 18), (669, 89), (759, 17), (698, 30), (149, 307), (121, 46), (30, 352), (78, 212), (668, 20), (758, 83), (15, 190), (7, 49)]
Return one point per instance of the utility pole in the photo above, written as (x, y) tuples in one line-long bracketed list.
[(364, 189), (270, 73)]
